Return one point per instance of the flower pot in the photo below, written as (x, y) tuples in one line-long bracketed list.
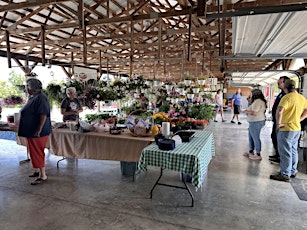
[(168, 87), (190, 95), (149, 83), (200, 127), (187, 82), (201, 82), (156, 83), (195, 90), (180, 90)]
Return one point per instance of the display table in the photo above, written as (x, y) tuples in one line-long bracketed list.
[(92, 145), (190, 157), (98, 146)]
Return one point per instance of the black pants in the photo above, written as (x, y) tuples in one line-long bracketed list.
[(274, 139)]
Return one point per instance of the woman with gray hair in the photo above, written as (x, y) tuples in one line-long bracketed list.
[(71, 106), (35, 126)]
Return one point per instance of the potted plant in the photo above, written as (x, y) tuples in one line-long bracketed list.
[(201, 80), (200, 124), (190, 94), (187, 80), (168, 85), (195, 88), (180, 87), (148, 82), (156, 82)]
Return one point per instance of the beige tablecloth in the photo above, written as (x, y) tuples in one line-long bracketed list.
[(98, 146)]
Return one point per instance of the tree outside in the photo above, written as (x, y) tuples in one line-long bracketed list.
[(12, 87)]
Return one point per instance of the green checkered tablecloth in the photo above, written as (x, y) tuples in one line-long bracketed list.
[(189, 157)]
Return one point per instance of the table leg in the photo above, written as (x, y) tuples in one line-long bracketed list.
[(187, 187), (57, 164), (157, 182), (173, 186)]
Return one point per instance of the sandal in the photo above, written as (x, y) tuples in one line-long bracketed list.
[(35, 174), (39, 181)]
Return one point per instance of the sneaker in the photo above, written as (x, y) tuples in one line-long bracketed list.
[(293, 175), (233, 122), (255, 157), (273, 157), (224, 120), (239, 123), (280, 177), (274, 160), (248, 154), (215, 120)]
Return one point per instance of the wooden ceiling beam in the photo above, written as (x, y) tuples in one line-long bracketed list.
[(28, 4)]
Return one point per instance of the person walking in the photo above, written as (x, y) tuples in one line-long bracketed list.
[(256, 119), (292, 109), (281, 85), (236, 104), (219, 105), (71, 106), (35, 126)]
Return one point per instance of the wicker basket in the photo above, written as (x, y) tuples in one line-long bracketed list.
[(138, 130)]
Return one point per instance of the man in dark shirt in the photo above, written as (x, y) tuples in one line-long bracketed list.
[(281, 85)]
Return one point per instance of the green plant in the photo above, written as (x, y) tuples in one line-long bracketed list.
[(181, 85), (205, 112), (54, 94), (202, 77), (187, 77), (91, 117)]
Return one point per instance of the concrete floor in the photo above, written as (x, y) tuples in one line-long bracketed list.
[(89, 194)]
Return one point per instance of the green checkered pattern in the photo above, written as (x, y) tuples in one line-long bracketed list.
[(189, 157)]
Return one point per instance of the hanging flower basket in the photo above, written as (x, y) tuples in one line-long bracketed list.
[(13, 100), (195, 90), (190, 95), (187, 82), (169, 87), (201, 82)]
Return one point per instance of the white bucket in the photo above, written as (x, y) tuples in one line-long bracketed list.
[(16, 117)]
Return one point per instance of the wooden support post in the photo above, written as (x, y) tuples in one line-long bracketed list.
[(81, 14), (201, 8), (159, 39), (43, 53), (8, 49), (100, 65), (84, 46), (189, 41), (132, 46)]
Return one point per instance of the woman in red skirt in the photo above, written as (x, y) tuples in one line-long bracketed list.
[(35, 126)]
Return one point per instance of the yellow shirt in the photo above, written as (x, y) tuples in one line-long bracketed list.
[(293, 104)]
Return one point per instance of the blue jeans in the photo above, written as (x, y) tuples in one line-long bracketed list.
[(254, 130), (287, 142)]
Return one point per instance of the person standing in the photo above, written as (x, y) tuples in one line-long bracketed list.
[(281, 85), (292, 109), (71, 106), (219, 105), (35, 126), (256, 119), (236, 104)]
